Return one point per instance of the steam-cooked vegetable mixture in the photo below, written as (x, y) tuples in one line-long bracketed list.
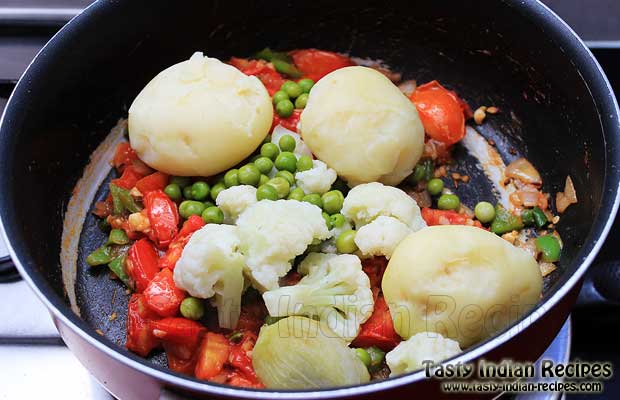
[(278, 220)]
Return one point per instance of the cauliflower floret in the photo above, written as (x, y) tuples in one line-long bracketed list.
[(366, 202), (212, 265), (233, 201), (409, 355), (381, 236), (273, 233), (334, 289), (319, 179)]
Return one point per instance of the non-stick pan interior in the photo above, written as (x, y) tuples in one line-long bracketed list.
[(489, 52)]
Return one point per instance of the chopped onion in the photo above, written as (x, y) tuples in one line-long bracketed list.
[(546, 268), (529, 196), (523, 170), (566, 198), (408, 87)]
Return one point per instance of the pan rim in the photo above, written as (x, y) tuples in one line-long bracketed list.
[(537, 10)]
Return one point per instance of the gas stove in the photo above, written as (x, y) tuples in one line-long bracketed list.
[(41, 366)]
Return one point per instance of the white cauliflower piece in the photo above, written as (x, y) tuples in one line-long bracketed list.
[(233, 201), (409, 355), (366, 202), (381, 236), (319, 179), (334, 289), (212, 265), (273, 233)]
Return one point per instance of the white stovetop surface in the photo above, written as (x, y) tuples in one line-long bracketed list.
[(34, 362)]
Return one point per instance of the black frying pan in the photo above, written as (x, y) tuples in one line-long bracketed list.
[(557, 110)]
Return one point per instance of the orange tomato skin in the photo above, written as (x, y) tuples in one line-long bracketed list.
[(315, 64), (441, 111)]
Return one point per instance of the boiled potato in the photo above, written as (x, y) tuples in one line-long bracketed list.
[(362, 126), (199, 117), (460, 281)]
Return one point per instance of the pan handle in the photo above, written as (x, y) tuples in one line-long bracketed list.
[(601, 286)]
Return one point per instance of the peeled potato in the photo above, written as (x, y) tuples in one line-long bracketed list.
[(361, 125), (460, 281), (199, 117)]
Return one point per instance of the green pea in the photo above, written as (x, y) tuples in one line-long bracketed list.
[(286, 161), (448, 202), (305, 85), (550, 248), (192, 308), (263, 180), (279, 96), (296, 194), (286, 175), (216, 189), (118, 236), (208, 204), (231, 178), (212, 215), (249, 175), (266, 192), (376, 357), (434, 186), (287, 143), (337, 220), (182, 181), (285, 108), (304, 163), (191, 207), (187, 192), (333, 201), (345, 242), (269, 150), (264, 164), (291, 88), (200, 190), (328, 221), (484, 211), (363, 355), (301, 101), (417, 175), (281, 186), (173, 191), (313, 198)]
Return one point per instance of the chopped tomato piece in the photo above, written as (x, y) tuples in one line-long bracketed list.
[(289, 123), (140, 339), (162, 295), (240, 356), (128, 179), (155, 181), (175, 249), (379, 329), (442, 112), (447, 217), (181, 357), (142, 263), (178, 330), (290, 279), (252, 317), (374, 267), (212, 355), (123, 156), (315, 64), (262, 70), (163, 217), (237, 379)]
